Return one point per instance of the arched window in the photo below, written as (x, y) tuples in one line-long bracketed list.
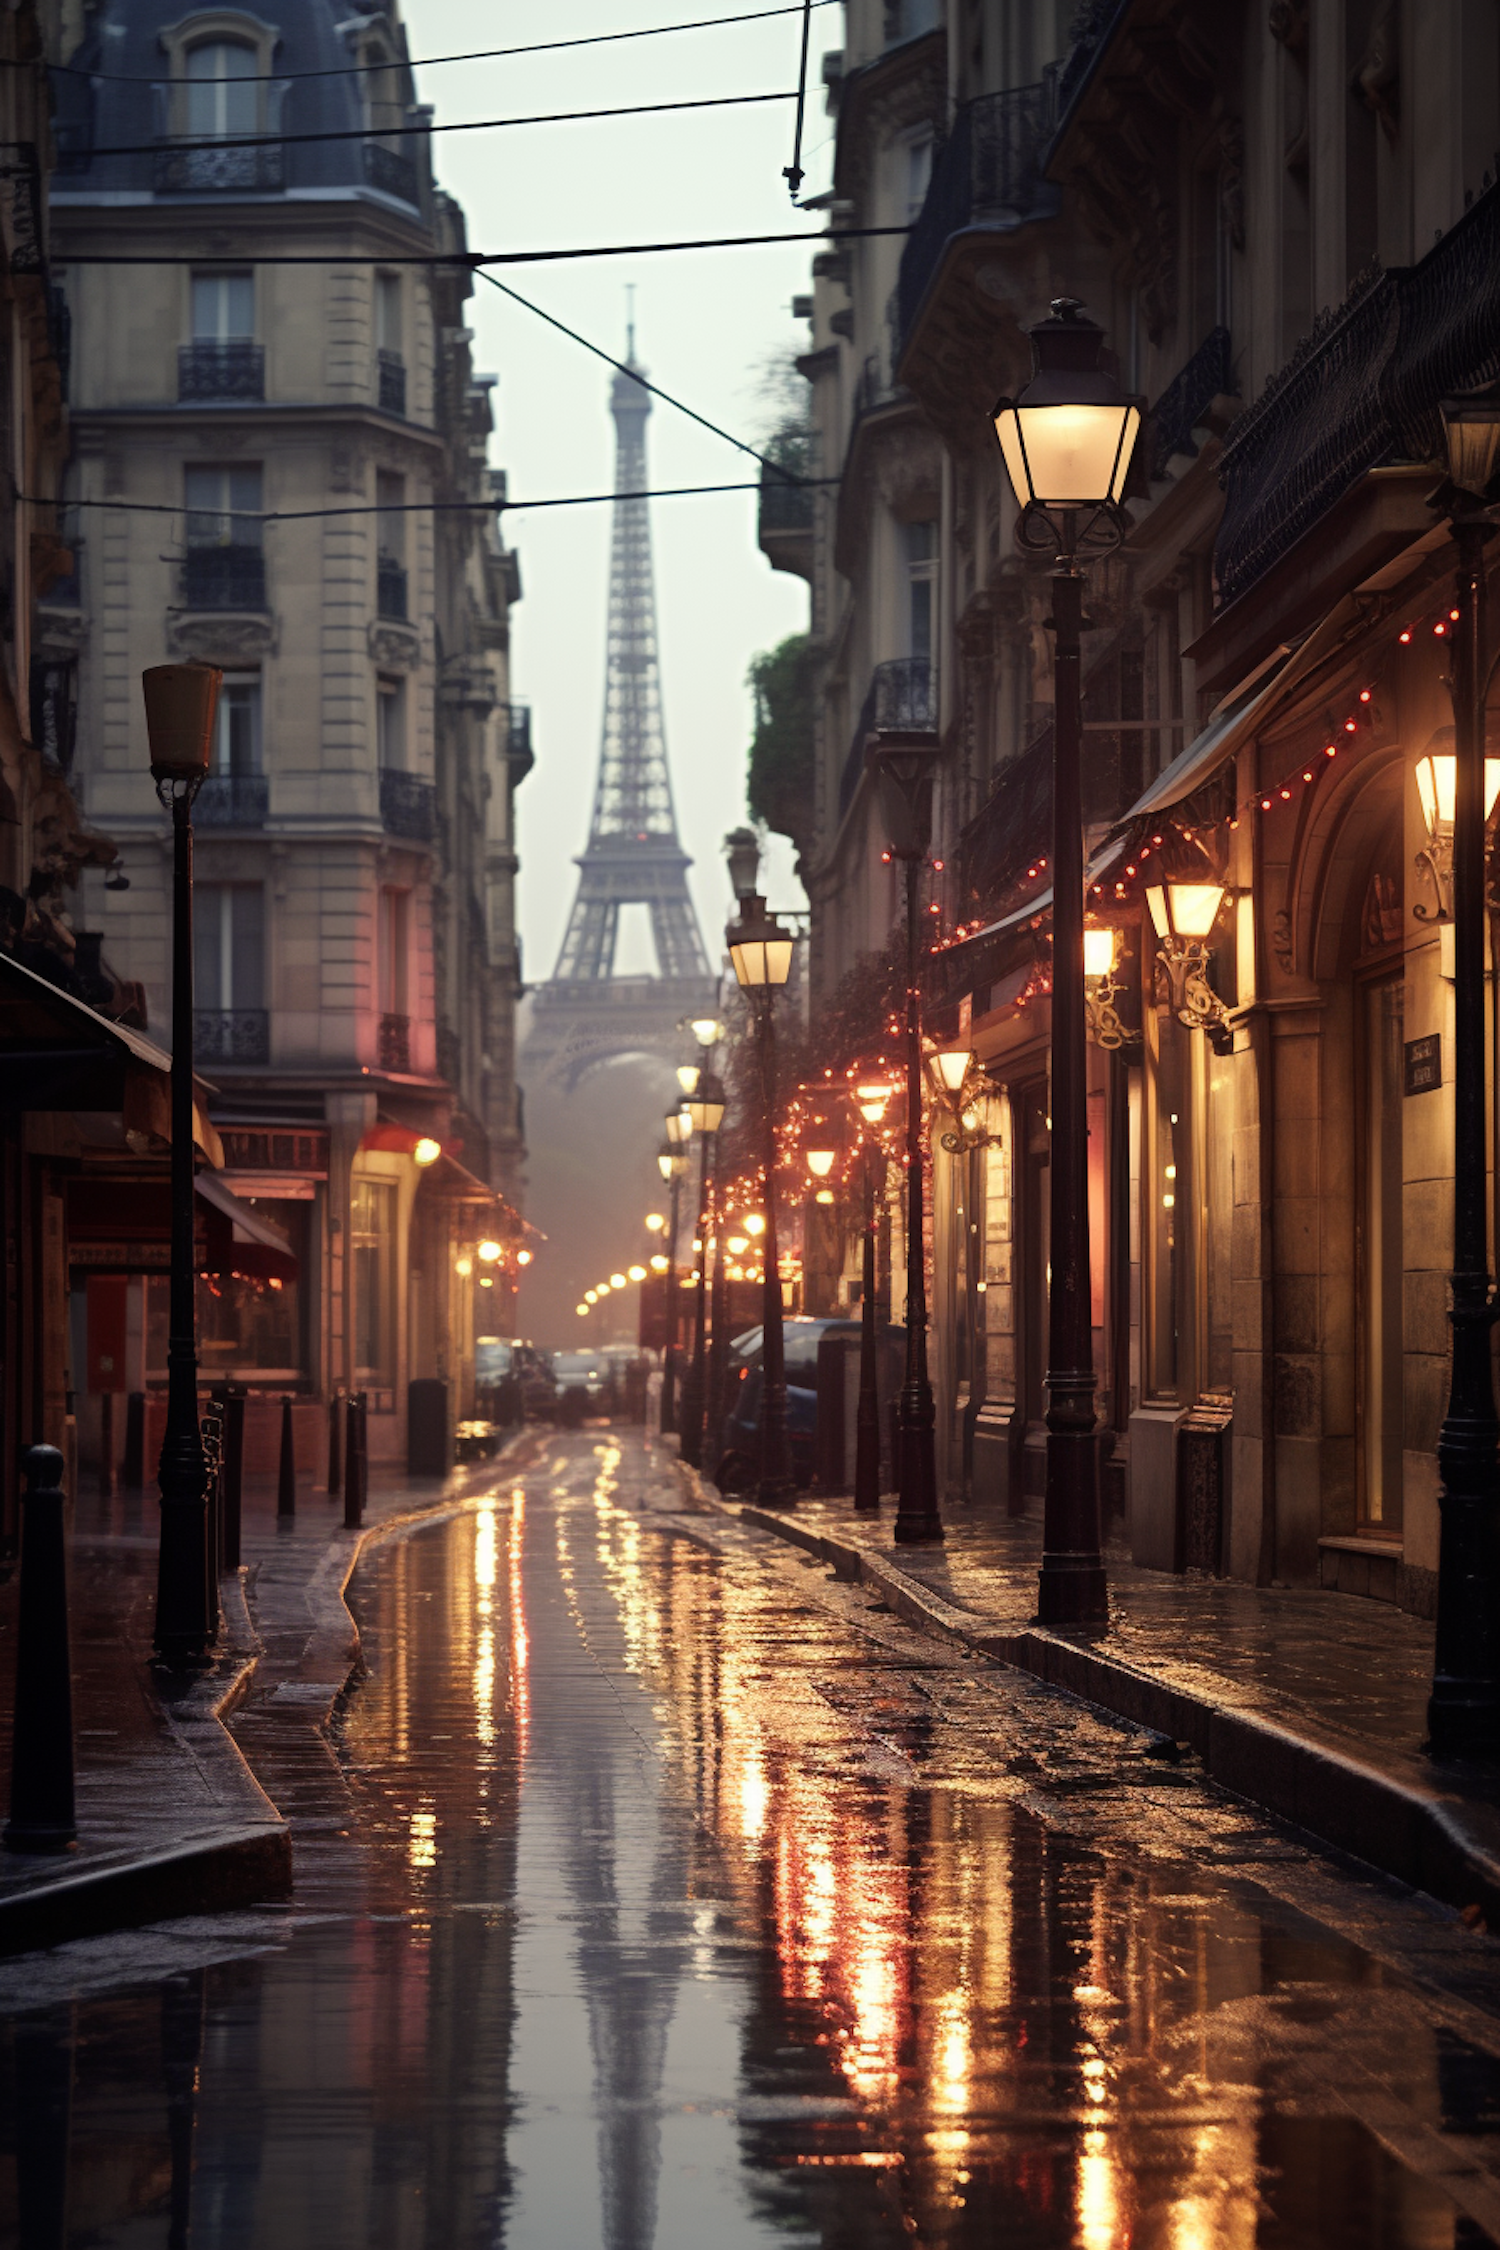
[(221, 89)]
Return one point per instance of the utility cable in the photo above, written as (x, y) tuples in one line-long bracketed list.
[(623, 368), (476, 260), (66, 505), (198, 145), (430, 62)]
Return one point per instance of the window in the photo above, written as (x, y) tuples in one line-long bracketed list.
[(223, 308), (390, 724), (390, 492), (237, 730), (221, 90), (918, 174), (372, 1244), (223, 506), (395, 926), (921, 569), (1168, 1186), (388, 314), (229, 941)]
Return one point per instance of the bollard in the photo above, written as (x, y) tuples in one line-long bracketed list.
[(286, 1481), (354, 1483), (133, 1467), (41, 1772), (232, 1475), (335, 1445)]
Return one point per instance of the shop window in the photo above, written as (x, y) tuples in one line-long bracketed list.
[(372, 1244), (1167, 1174), (249, 1327), (997, 1341)]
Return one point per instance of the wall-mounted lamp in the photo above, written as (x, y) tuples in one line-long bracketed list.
[(949, 1070), (1436, 771), (1101, 989), (1184, 914)]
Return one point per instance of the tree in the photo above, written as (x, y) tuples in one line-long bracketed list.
[(780, 790)]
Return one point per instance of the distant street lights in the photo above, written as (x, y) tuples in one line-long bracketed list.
[(672, 1163), (705, 1109), (1067, 442), (182, 702), (761, 951)]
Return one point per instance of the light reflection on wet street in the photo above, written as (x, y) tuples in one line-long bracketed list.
[(656, 1892)]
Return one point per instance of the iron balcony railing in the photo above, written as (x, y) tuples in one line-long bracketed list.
[(390, 589), (229, 577), (408, 805), (231, 1035), (232, 800), (390, 371), (518, 749), (902, 698), (785, 504), (202, 169), (393, 1050), (210, 370), (1208, 375), (1362, 389), (989, 169), (392, 174)]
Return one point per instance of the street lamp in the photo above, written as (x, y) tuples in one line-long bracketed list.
[(672, 1163), (905, 772), (1183, 912), (1463, 1712), (705, 1111), (1067, 443), (872, 1102), (182, 702), (761, 951)]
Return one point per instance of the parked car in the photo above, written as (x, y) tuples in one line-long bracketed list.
[(581, 1382), (513, 1380), (738, 1464)]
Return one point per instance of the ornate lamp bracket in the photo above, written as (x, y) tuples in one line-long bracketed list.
[(1193, 999), (1435, 861), (1101, 1015)]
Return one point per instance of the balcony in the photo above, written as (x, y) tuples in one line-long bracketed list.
[(390, 589), (392, 174), (232, 800), (228, 577), (390, 377), (988, 173), (785, 529), (902, 699), (1208, 375), (518, 751), (408, 805), (203, 169), (393, 1051), (231, 1035), (215, 371)]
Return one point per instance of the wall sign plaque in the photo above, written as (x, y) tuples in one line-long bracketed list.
[(1424, 1063)]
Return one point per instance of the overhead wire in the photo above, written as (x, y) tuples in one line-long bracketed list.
[(435, 62), (66, 504), (477, 260), (198, 144)]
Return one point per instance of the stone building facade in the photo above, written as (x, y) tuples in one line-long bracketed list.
[(279, 466), (1286, 222)]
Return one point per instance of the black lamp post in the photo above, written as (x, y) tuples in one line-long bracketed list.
[(905, 770), (182, 701), (1067, 442), (1463, 1712), (705, 1108), (872, 1101), (761, 951), (672, 1163)]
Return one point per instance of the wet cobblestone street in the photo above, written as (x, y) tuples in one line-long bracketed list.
[(655, 1891)]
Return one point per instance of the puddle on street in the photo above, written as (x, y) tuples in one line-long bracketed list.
[(653, 1942)]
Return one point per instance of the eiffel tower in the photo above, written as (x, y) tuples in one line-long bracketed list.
[(586, 1013)]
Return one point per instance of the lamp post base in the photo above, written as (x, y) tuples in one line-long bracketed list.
[(1072, 1591)]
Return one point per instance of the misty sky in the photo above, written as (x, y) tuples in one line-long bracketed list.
[(706, 324)]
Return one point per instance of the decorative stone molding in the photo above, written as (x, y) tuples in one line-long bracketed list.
[(209, 638), (468, 684), (395, 648)]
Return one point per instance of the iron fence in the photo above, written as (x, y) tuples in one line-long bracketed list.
[(1208, 375), (989, 168), (231, 1035), (232, 800), (902, 698), (205, 170), (408, 805), (228, 577), (211, 370), (393, 174)]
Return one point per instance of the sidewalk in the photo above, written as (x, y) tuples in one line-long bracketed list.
[(1309, 1705), (171, 1819)]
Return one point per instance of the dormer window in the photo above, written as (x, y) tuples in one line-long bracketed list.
[(221, 90)]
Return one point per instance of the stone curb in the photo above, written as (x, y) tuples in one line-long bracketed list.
[(1402, 1820), (245, 1858)]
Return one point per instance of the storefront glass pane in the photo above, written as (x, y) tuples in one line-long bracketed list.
[(372, 1251), (1166, 1205), (1383, 1026)]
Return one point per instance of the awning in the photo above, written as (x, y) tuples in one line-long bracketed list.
[(238, 1239), (58, 1053), (994, 954), (124, 1225), (1242, 713)]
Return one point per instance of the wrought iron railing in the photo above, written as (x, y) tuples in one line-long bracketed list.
[(785, 504), (393, 1050), (205, 170), (231, 1035), (449, 1054), (206, 369), (1362, 388), (390, 589), (408, 805), (393, 174), (231, 577), (1208, 375), (232, 800), (902, 698), (54, 707), (518, 734), (390, 370), (989, 168)]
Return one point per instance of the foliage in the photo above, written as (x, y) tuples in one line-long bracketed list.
[(780, 786)]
